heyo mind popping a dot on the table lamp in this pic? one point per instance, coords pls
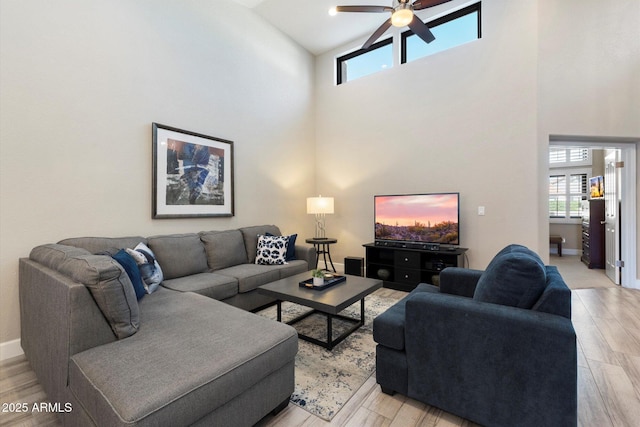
(320, 206)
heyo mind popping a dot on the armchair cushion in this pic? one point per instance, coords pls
(459, 281)
(515, 277)
(388, 327)
(556, 298)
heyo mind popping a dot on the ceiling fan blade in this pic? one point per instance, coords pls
(423, 4)
(374, 9)
(377, 33)
(421, 30)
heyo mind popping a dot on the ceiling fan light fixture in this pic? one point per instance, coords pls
(402, 16)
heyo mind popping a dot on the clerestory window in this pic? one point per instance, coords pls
(459, 27)
(364, 62)
(451, 30)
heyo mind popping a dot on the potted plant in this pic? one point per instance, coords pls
(318, 277)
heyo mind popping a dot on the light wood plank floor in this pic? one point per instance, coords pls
(607, 321)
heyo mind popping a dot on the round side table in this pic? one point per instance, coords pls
(322, 248)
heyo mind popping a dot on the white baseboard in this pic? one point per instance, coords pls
(339, 266)
(554, 251)
(10, 349)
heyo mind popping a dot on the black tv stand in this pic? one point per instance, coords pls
(402, 266)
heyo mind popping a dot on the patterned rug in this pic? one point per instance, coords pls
(326, 380)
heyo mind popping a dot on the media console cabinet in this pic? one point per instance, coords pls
(402, 268)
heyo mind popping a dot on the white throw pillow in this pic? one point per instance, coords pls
(272, 250)
(149, 268)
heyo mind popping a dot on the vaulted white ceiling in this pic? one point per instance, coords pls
(308, 21)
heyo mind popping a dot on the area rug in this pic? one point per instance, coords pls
(326, 380)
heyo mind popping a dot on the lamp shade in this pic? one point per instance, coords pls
(319, 205)
(401, 17)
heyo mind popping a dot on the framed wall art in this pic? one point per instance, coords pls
(192, 174)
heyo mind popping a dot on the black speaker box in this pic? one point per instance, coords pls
(354, 266)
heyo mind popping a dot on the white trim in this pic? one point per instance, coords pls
(628, 196)
(10, 349)
(565, 251)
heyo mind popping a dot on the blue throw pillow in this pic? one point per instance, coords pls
(515, 278)
(291, 248)
(131, 268)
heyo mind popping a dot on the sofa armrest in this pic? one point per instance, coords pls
(306, 253)
(459, 281)
(58, 318)
(489, 363)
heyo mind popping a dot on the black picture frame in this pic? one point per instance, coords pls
(192, 174)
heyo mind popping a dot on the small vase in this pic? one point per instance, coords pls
(318, 281)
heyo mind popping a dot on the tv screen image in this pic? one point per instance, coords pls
(596, 187)
(424, 218)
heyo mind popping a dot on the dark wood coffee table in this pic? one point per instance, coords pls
(330, 302)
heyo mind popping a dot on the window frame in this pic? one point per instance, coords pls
(476, 7)
(567, 173)
(342, 59)
(568, 163)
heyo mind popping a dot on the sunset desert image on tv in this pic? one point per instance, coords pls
(429, 218)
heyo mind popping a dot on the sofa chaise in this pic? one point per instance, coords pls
(190, 353)
(496, 347)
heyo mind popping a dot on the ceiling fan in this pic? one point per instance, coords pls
(401, 15)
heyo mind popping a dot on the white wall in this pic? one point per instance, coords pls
(81, 83)
(461, 120)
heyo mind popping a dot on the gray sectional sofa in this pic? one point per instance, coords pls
(190, 353)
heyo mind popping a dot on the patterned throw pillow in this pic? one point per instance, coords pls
(149, 268)
(291, 250)
(272, 250)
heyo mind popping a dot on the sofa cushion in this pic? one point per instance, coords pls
(250, 276)
(224, 248)
(179, 255)
(272, 250)
(292, 267)
(210, 285)
(131, 267)
(250, 236)
(515, 277)
(189, 368)
(103, 276)
(102, 244)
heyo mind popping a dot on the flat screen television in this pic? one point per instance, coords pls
(596, 187)
(418, 218)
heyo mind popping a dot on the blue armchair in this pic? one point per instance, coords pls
(496, 347)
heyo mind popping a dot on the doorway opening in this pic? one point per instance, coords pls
(615, 161)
